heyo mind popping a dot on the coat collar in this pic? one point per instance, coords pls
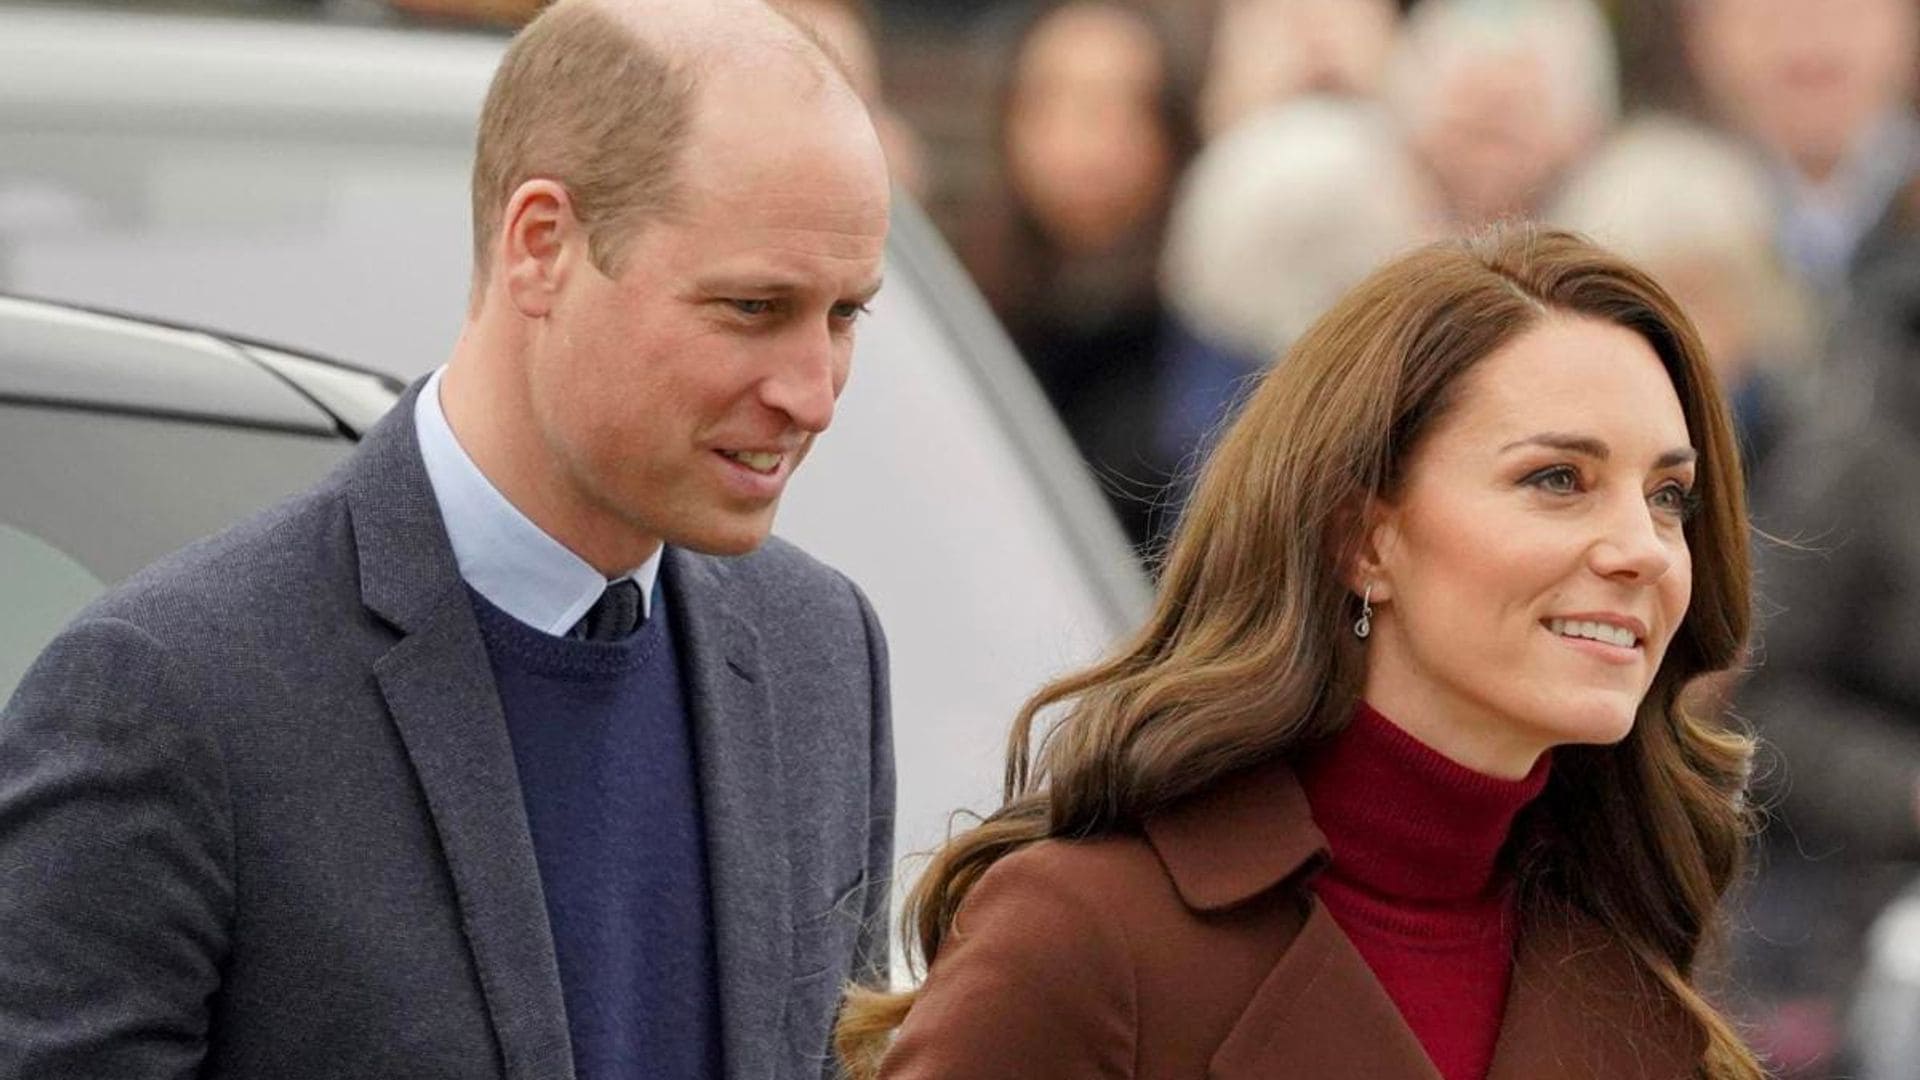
(1578, 1008)
(1238, 838)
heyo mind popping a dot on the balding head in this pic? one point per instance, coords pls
(602, 96)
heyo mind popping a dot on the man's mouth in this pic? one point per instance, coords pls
(763, 462)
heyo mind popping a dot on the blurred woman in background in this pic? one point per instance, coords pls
(1094, 126)
(1393, 783)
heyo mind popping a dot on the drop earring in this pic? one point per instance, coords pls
(1364, 625)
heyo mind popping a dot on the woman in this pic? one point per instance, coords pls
(1393, 783)
(1094, 125)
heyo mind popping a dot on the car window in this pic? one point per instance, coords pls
(89, 497)
(41, 587)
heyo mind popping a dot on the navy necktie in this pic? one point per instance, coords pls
(613, 616)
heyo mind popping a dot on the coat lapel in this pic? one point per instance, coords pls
(741, 796)
(1577, 1007)
(439, 689)
(1320, 1013)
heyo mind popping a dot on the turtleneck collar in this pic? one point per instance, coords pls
(1404, 822)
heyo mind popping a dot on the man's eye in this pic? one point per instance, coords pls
(849, 311)
(752, 307)
(1559, 479)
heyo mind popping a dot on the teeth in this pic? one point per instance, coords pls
(1580, 628)
(764, 463)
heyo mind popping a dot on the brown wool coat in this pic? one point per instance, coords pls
(1197, 950)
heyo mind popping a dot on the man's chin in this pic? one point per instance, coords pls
(725, 539)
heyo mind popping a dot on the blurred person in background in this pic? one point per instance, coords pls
(1265, 52)
(1825, 90)
(848, 28)
(1393, 783)
(1275, 220)
(1094, 126)
(1693, 208)
(1836, 689)
(1500, 98)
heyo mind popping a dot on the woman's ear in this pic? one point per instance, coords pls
(1373, 525)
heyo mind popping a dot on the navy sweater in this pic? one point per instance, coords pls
(602, 739)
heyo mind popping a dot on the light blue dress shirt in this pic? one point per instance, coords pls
(501, 553)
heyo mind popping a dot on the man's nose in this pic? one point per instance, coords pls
(808, 381)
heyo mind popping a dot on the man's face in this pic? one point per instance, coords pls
(678, 397)
(1805, 77)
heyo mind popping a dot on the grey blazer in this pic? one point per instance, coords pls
(259, 814)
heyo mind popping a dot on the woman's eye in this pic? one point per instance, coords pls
(1560, 480)
(752, 307)
(1676, 500)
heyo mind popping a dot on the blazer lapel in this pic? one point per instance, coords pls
(741, 796)
(439, 689)
(1579, 1009)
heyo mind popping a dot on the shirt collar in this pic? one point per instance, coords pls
(501, 553)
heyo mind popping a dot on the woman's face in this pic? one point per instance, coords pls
(1534, 567)
(1085, 147)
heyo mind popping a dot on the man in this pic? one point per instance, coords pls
(515, 748)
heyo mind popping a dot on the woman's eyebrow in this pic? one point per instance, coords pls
(1588, 446)
(1584, 445)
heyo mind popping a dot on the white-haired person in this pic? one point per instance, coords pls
(1693, 207)
(1500, 98)
(1273, 222)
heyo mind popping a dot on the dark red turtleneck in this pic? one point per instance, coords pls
(1415, 842)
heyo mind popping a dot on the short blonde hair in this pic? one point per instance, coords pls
(579, 98)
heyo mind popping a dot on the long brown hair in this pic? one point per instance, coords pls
(1245, 655)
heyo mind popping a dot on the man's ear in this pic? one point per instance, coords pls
(538, 234)
(1372, 523)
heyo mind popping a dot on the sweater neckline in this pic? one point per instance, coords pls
(1405, 823)
(542, 653)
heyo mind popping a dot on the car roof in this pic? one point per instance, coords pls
(67, 356)
(68, 69)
